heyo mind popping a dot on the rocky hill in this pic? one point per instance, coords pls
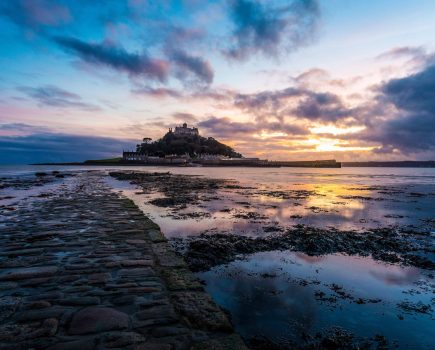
(193, 145)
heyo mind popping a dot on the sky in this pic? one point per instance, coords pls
(348, 80)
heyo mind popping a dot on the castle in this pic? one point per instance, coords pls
(184, 131)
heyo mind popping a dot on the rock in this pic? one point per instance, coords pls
(97, 319)
(78, 267)
(99, 278)
(156, 236)
(46, 296)
(40, 237)
(136, 241)
(80, 301)
(34, 282)
(137, 272)
(50, 326)
(8, 285)
(136, 263)
(230, 342)
(193, 304)
(78, 289)
(28, 272)
(165, 311)
(122, 339)
(180, 279)
(124, 300)
(39, 314)
(8, 306)
(168, 331)
(9, 332)
(20, 252)
(82, 344)
(153, 346)
(38, 305)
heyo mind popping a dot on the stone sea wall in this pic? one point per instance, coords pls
(85, 269)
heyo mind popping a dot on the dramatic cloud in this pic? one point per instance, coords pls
(53, 147)
(411, 127)
(325, 107)
(195, 65)
(294, 102)
(262, 28)
(117, 58)
(227, 128)
(54, 96)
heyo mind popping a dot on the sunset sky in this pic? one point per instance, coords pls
(302, 79)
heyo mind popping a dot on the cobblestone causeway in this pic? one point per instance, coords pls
(85, 269)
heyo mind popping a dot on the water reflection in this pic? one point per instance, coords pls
(396, 276)
(285, 296)
(259, 205)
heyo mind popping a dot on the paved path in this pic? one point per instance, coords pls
(85, 269)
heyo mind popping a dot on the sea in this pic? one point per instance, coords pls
(289, 298)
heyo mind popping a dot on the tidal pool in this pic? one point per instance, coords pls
(289, 297)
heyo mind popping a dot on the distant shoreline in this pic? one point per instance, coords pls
(302, 164)
(296, 164)
(396, 164)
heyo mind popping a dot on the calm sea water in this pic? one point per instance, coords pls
(289, 297)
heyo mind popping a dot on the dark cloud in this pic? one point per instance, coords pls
(269, 102)
(187, 64)
(262, 28)
(117, 58)
(35, 14)
(53, 147)
(408, 122)
(226, 128)
(325, 107)
(414, 93)
(54, 96)
(157, 92)
(294, 102)
(21, 128)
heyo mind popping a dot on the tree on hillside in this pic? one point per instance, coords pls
(189, 144)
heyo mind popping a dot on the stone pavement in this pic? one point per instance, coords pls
(85, 269)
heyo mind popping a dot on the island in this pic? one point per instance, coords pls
(184, 146)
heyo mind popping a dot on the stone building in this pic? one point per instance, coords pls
(184, 130)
